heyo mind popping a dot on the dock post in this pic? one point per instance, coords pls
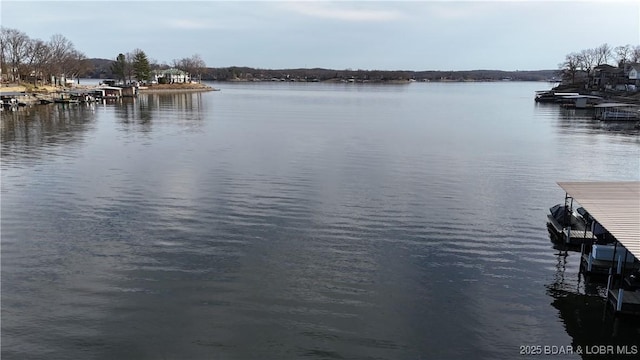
(619, 265)
(581, 258)
(567, 216)
(619, 304)
(590, 263)
(609, 278)
(613, 257)
(624, 266)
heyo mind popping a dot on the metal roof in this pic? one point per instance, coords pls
(581, 97)
(615, 205)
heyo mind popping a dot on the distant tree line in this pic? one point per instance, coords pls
(235, 73)
(587, 59)
(23, 59)
(102, 69)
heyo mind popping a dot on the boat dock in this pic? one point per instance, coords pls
(599, 259)
(616, 112)
(577, 236)
(608, 110)
(15, 98)
(624, 301)
(615, 206)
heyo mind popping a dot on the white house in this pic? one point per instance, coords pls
(171, 76)
(634, 76)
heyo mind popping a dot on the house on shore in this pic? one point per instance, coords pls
(170, 76)
(605, 77)
(633, 74)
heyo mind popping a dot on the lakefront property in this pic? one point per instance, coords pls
(170, 76)
(611, 93)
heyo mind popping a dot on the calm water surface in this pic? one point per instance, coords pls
(284, 220)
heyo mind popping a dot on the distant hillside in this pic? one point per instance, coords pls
(102, 70)
(235, 73)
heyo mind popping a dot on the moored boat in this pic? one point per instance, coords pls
(569, 227)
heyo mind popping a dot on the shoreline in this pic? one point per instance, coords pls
(610, 96)
(156, 91)
(52, 90)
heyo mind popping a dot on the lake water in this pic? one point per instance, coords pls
(289, 220)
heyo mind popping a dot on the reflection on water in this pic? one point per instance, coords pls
(572, 120)
(586, 316)
(37, 131)
(583, 309)
(27, 131)
(141, 112)
(295, 220)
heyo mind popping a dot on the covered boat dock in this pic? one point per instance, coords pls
(616, 112)
(581, 101)
(616, 206)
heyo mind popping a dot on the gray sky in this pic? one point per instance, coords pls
(382, 35)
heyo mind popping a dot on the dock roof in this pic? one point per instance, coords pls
(615, 205)
(581, 97)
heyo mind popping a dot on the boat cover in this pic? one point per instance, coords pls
(558, 212)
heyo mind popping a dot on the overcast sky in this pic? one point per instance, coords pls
(383, 35)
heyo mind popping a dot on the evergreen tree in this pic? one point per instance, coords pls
(119, 67)
(141, 66)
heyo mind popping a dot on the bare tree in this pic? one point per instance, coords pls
(76, 64)
(154, 64)
(61, 48)
(602, 54)
(15, 46)
(197, 66)
(183, 64)
(623, 54)
(586, 59)
(194, 65)
(570, 66)
(635, 54)
(129, 70)
(39, 56)
(4, 50)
